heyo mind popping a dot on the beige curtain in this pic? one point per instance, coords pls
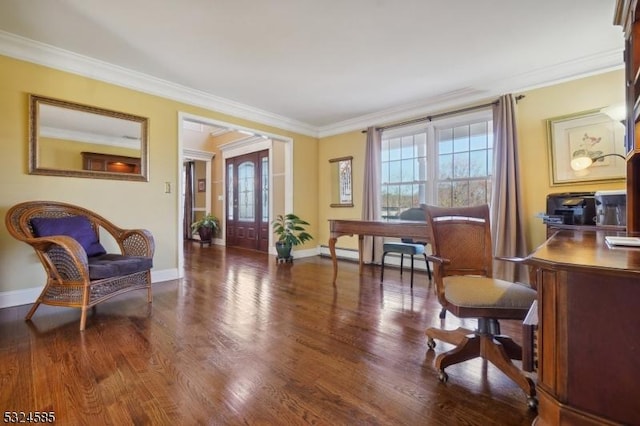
(506, 198)
(371, 206)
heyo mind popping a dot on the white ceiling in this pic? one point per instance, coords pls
(327, 64)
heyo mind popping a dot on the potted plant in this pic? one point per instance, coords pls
(205, 227)
(291, 231)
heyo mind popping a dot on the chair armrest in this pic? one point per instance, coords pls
(436, 259)
(137, 242)
(511, 259)
(62, 257)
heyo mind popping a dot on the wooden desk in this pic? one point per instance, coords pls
(588, 345)
(396, 228)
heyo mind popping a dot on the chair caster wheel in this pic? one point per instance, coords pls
(532, 403)
(443, 377)
(431, 343)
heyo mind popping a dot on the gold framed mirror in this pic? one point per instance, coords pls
(70, 139)
(341, 182)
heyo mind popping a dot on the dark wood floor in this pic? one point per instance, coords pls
(243, 340)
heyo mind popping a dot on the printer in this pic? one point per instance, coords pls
(571, 208)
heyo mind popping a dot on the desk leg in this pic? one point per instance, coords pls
(332, 250)
(360, 244)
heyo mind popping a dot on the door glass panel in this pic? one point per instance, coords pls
(265, 189)
(246, 191)
(230, 191)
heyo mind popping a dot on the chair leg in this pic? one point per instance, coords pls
(411, 271)
(443, 313)
(401, 262)
(428, 267)
(493, 351)
(382, 268)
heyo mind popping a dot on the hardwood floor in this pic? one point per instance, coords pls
(243, 340)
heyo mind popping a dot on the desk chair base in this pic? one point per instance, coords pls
(498, 349)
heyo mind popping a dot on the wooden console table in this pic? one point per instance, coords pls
(588, 346)
(396, 228)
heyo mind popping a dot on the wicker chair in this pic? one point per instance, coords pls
(75, 279)
(463, 258)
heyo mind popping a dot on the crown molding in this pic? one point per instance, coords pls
(560, 73)
(28, 50)
(25, 49)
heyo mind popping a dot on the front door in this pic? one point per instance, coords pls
(248, 201)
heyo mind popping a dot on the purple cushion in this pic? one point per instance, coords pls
(76, 227)
(117, 265)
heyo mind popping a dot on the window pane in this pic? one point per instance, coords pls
(385, 150)
(420, 169)
(420, 141)
(230, 191)
(407, 170)
(478, 135)
(445, 167)
(460, 194)
(394, 149)
(445, 141)
(246, 192)
(395, 172)
(477, 192)
(444, 194)
(265, 189)
(385, 172)
(461, 139)
(407, 147)
(461, 165)
(478, 163)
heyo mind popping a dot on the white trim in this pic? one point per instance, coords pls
(258, 141)
(43, 54)
(29, 295)
(29, 50)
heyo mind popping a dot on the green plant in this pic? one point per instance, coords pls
(290, 230)
(206, 221)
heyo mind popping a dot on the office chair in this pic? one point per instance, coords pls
(463, 261)
(407, 245)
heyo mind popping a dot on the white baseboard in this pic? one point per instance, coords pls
(29, 295)
(391, 259)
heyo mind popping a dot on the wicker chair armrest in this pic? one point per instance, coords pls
(437, 259)
(136, 242)
(62, 256)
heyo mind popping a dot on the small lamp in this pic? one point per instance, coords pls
(581, 160)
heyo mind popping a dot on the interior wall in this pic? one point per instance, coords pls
(585, 94)
(128, 204)
(532, 112)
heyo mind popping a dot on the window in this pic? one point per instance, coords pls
(445, 163)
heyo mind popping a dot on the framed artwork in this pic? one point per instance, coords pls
(202, 185)
(589, 133)
(341, 181)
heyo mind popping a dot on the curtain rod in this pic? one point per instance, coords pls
(442, 114)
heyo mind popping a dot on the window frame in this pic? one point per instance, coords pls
(430, 128)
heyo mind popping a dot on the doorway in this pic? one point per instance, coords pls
(247, 180)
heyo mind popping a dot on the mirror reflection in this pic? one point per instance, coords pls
(341, 193)
(69, 139)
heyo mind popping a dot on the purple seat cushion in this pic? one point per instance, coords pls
(117, 265)
(76, 227)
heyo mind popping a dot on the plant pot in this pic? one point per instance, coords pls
(283, 250)
(205, 234)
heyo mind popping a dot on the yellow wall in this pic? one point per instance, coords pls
(128, 204)
(344, 145)
(532, 112)
(136, 204)
(539, 105)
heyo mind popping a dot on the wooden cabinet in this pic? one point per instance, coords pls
(588, 346)
(110, 163)
(628, 16)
